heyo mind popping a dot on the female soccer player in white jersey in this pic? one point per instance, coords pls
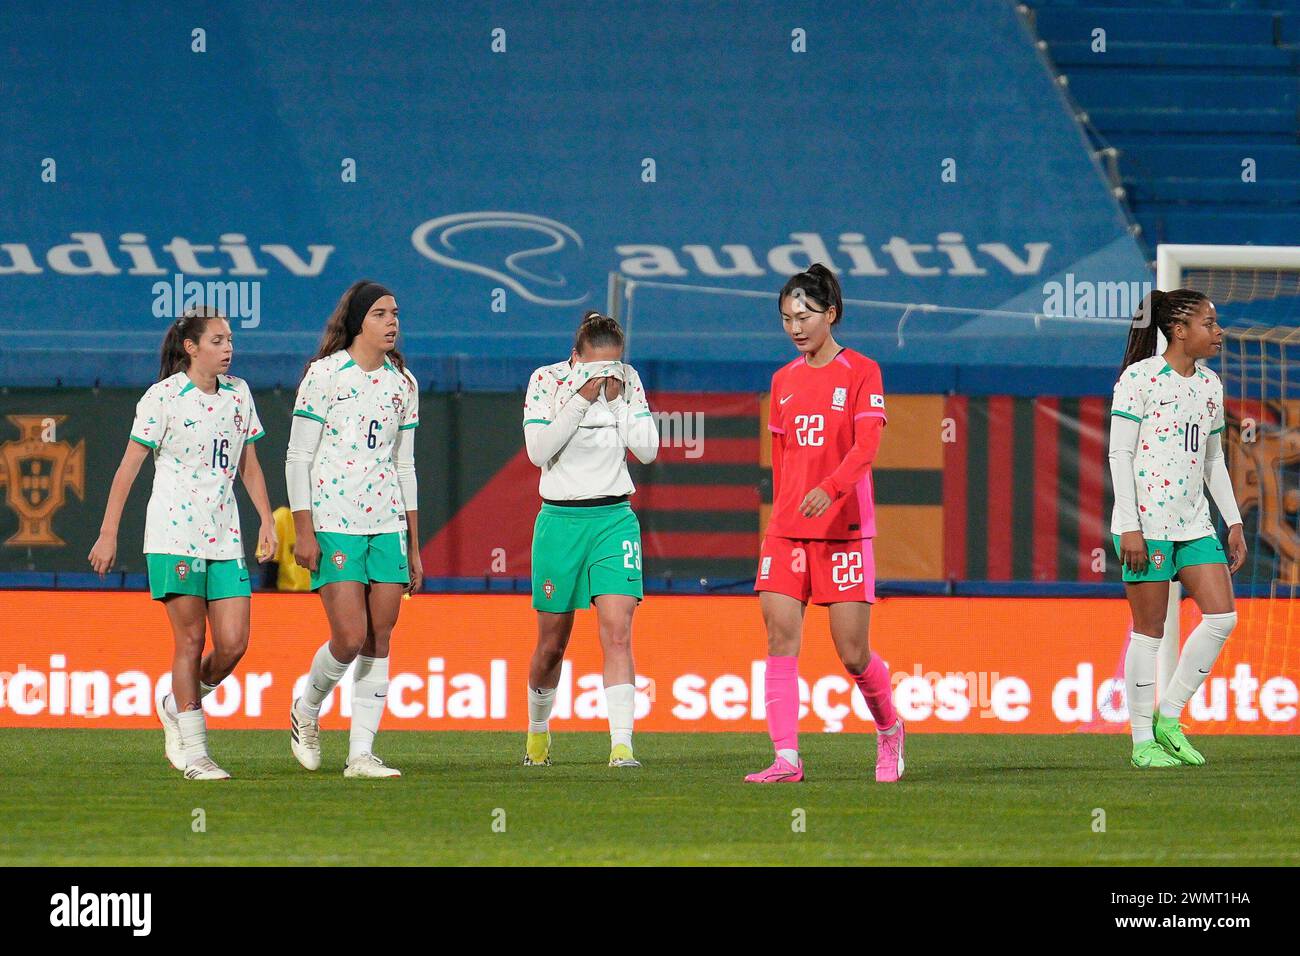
(199, 424)
(1166, 447)
(826, 417)
(581, 417)
(350, 471)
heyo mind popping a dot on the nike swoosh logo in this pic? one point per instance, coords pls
(1168, 402)
(786, 399)
(321, 689)
(847, 587)
(1201, 671)
(1147, 684)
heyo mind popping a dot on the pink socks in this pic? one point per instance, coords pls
(875, 687)
(781, 691)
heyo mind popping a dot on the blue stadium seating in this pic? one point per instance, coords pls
(1185, 91)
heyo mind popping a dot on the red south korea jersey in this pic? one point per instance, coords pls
(822, 422)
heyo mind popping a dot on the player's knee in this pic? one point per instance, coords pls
(616, 638)
(1220, 625)
(856, 663)
(190, 642)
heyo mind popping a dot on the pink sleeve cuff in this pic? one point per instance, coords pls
(775, 430)
(871, 414)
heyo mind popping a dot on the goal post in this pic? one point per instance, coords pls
(1257, 292)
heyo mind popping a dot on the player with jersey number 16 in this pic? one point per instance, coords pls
(826, 416)
(200, 427)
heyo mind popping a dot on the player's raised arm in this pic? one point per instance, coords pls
(636, 424)
(548, 428)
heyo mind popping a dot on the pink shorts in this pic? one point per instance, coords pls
(823, 572)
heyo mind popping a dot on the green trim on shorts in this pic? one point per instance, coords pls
(580, 553)
(1166, 558)
(211, 580)
(365, 558)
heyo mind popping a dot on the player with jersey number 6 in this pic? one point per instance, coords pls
(199, 424)
(350, 471)
(581, 418)
(826, 416)
(1166, 449)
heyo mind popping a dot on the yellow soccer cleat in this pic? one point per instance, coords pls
(537, 750)
(621, 756)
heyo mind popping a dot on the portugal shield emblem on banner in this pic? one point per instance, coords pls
(36, 473)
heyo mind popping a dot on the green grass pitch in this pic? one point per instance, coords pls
(97, 797)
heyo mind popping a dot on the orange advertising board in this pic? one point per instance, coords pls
(969, 665)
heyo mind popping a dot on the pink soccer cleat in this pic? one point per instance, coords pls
(781, 771)
(889, 755)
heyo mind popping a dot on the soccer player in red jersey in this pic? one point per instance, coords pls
(826, 415)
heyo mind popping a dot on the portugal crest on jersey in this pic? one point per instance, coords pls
(548, 588)
(397, 405)
(1211, 406)
(239, 422)
(182, 569)
(1157, 559)
(339, 559)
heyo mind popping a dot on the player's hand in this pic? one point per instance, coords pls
(1133, 551)
(417, 571)
(613, 388)
(103, 554)
(266, 542)
(592, 388)
(815, 503)
(1236, 548)
(306, 551)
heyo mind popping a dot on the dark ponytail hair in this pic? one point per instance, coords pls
(1159, 310)
(598, 331)
(817, 285)
(344, 324)
(188, 328)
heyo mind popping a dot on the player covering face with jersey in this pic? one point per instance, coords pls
(581, 418)
(200, 426)
(352, 488)
(1166, 447)
(826, 415)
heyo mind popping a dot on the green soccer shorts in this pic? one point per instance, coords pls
(1166, 558)
(212, 580)
(380, 558)
(579, 553)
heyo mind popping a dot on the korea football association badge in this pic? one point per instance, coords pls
(838, 399)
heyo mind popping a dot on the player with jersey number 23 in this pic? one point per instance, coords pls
(826, 416)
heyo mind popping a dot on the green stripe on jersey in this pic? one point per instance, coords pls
(402, 428)
(316, 418)
(537, 421)
(1132, 418)
(147, 444)
(258, 436)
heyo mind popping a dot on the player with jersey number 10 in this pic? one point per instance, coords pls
(199, 425)
(581, 418)
(1166, 448)
(350, 472)
(826, 415)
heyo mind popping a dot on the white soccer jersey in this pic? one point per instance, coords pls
(1176, 416)
(197, 440)
(354, 487)
(593, 462)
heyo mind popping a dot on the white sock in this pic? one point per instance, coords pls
(1140, 683)
(194, 735)
(1198, 657)
(791, 756)
(325, 673)
(369, 698)
(540, 702)
(169, 702)
(621, 702)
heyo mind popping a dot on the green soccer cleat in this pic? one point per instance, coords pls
(537, 750)
(621, 756)
(1169, 735)
(1151, 754)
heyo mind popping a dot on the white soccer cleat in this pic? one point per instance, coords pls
(205, 768)
(304, 738)
(368, 766)
(171, 734)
